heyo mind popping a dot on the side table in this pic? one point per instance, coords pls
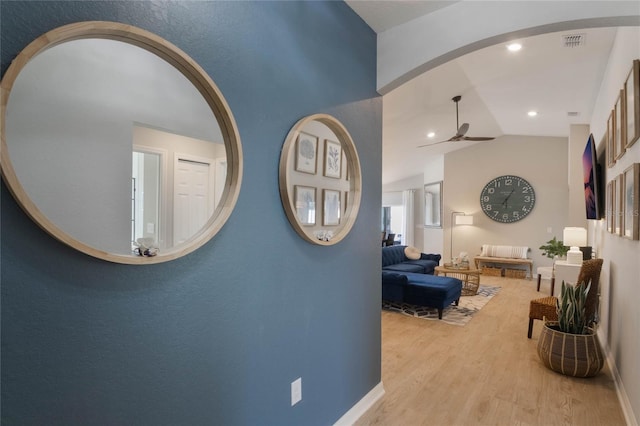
(470, 278)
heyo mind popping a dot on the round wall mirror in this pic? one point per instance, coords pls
(117, 143)
(320, 179)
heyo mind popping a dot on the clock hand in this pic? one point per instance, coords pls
(504, 203)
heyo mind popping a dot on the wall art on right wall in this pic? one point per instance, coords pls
(630, 195)
(632, 104)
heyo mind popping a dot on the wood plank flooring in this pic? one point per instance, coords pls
(485, 373)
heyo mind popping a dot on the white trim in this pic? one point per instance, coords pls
(623, 398)
(362, 406)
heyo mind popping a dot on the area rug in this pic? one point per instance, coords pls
(454, 315)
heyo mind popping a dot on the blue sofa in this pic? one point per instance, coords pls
(412, 281)
(421, 289)
(394, 260)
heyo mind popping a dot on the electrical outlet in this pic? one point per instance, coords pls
(296, 391)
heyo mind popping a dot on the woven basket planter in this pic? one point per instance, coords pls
(577, 355)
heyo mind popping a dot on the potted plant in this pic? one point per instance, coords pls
(554, 249)
(570, 345)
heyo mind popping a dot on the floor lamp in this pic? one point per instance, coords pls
(459, 218)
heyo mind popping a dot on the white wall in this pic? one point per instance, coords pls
(405, 51)
(542, 161)
(620, 278)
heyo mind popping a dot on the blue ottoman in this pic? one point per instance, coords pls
(421, 289)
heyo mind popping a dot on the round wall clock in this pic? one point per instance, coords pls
(507, 199)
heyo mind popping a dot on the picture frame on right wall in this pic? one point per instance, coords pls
(611, 139)
(630, 201)
(610, 214)
(632, 104)
(617, 205)
(620, 125)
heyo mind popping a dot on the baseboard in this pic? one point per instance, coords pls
(361, 407)
(625, 404)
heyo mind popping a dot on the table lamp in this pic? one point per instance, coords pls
(574, 238)
(459, 218)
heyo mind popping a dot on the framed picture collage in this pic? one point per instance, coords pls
(623, 131)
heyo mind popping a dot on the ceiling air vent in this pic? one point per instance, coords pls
(573, 114)
(573, 40)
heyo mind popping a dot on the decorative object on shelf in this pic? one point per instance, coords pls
(507, 199)
(88, 204)
(574, 238)
(631, 202)
(306, 153)
(458, 219)
(570, 346)
(632, 104)
(145, 247)
(314, 200)
(332, 159)
(323, 235)
(554, 249)
(433, 205)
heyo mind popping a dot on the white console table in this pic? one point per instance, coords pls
(565, 272)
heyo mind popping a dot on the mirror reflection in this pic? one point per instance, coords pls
(320, 181)
(115, 146)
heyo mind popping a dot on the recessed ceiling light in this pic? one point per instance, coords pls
(532, 113)
(514, 47)
(431, 135)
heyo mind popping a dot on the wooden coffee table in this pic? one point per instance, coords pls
(470, 278)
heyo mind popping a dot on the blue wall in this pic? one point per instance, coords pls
(215, 337)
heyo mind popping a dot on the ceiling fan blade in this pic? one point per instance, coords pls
(432, 144)
(477, 138)
(463, 129)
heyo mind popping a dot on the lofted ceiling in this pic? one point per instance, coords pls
(498, 89)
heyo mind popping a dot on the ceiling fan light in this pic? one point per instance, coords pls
(431, 135)
(514, 47)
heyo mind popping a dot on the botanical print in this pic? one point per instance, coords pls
(306, 149)
(305, 198)
(331, 214)
(332, 159)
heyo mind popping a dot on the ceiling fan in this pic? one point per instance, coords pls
(462, 130)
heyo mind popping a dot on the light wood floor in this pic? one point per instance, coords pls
(485, 373)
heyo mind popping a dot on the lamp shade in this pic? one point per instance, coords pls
(574, 237)
(464, 220)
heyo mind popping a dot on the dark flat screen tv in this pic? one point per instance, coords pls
(591, 177)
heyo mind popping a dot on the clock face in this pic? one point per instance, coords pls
(507, 199)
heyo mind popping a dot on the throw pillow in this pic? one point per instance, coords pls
(412, 253)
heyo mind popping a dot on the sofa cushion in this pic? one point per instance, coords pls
(392, 255)
(509, 252)
(405, 267)
(412, 253)
(433, 291)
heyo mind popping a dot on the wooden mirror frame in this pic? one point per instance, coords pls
(287, 180)
(183, 63)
